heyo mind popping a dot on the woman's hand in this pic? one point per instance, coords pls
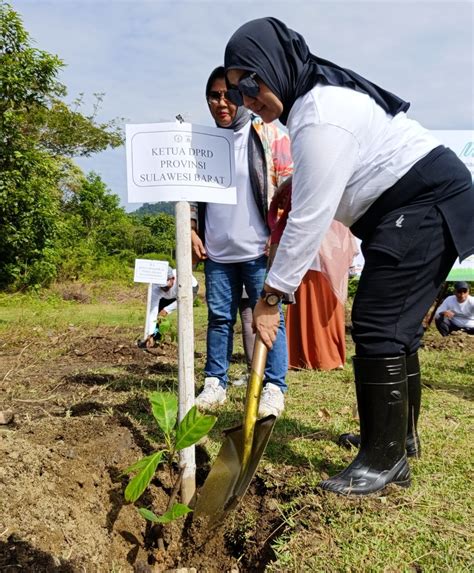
(281, 194)
(198, 250)
(266, 249)
(266, 320)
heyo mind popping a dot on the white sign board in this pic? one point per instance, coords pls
(462, 143)
(180, 162)
(149, 271)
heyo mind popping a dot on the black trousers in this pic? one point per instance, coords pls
(446, 326)
(164, 302)
(410, 243)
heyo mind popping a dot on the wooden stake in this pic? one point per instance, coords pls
(187, 459)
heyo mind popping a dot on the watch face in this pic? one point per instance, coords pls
(272, 299)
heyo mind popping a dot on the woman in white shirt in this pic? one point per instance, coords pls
(360, 160)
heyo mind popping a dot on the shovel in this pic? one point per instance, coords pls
(244, 445)
(240, 453)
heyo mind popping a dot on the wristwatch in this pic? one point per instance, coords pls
(271, 298)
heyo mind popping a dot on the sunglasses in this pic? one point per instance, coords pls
(247, 86)
(215, 97)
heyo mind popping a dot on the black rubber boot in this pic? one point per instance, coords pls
(414, 400)
(381, 386)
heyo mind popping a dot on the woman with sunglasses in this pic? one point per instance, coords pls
(232, 240)
(360, 160)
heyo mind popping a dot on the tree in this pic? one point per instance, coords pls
(155, 208)
(38, 132)
(163, 229)
(94, 225)
(28, 176)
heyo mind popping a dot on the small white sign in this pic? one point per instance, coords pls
(148, 271)
(180, 162)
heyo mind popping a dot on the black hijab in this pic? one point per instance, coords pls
(242, 115)
(281, 58)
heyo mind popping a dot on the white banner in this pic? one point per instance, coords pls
(180, 162)
(462, 143)
(462, 271)
(149, 271)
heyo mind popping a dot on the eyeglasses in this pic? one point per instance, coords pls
(215, 97)
(247, 86)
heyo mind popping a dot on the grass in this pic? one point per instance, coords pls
(427, 527)
(52, 311)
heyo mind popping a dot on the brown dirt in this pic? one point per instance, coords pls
(457, 340)
(77, 400)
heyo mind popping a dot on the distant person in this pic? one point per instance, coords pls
(456, 312)
(232, 241)
(248, 336)
(163, 302)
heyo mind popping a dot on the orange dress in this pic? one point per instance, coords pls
(315, 323)
(315, 326)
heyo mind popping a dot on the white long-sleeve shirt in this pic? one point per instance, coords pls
(347, 151)
(463, 311)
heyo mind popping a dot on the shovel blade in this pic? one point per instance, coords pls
(228, 480)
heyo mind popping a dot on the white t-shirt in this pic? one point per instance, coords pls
(236, 233)
(347, 151)
(463, 311)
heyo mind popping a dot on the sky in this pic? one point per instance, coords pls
(151, 58)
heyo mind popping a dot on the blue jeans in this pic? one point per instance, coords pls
(224, 282)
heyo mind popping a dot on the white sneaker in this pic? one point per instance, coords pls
(242, 381)
(212, 396)
(272, 401)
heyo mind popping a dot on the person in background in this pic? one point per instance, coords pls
(315, 324)
(360, 160)
(232, 240)
(248, 336)
(456, 312)
(163, 302)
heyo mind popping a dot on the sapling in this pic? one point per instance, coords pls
(191, 429)
(166, 329)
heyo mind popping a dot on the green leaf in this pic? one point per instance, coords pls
(141, 481)
(137, 466)
(193, 427)
(147, 514)
(164, 406)
(165, 325)
(178, 510)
